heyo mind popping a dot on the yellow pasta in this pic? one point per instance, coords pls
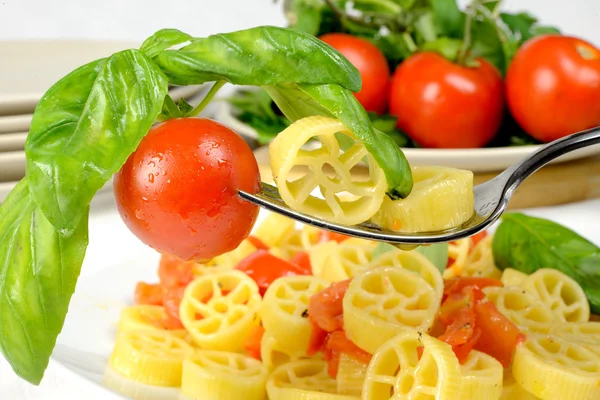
(219, 375)
(220, 310)
(524, 310)
(560, 293)
(319, 257)
(273, 353)
(146, 317)
(151, 357)
(586, 334)
(289, 245)
(274, 229)
(459, 252)
(396, 371)
(513, 277)
(350, 375)
(345, 199)
(511, 390)
(226, 261)
(346, 260)
(482, 377)
(303, 380)
(480, 261)
(284, 310)
(381, 302)
(551, 367)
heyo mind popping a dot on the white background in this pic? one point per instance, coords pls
(137, 19)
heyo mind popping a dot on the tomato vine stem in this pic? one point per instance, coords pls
(207, 99)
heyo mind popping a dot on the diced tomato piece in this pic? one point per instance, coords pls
(478, 237)
(263, 267)
(173, 272)
(325, 308)
(256, 242)
(327, 236)
(457, 285)
(462, 351)
(450, 262)
(252, 344)
(460, 331)
(317, 339)
(499, 336)
(337, 343)
(149, 293)
(302, 260)
(172, 300)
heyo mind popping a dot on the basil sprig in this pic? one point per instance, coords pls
(88, 124)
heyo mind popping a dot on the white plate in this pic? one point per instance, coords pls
(12, 166)
(107, 282)
(477, 160)
(12, 141)
(15, 123)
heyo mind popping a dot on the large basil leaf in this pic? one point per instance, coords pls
(84, 129)
(39, 267)
(299, 101)
(259, 56)
(527, 244)
(162, 40)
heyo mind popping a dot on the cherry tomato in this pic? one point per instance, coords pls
(252, 343)
(440, 104)
(553, 86)
(148, 293)
(173, 272)
(371, 64)
(178, 191)
(263, 267)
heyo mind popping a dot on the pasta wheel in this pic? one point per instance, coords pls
(551, 367)
(136, 390)
(303, 380)
(283, 310)
(511, 390)
(397, 372)
(151, 357)
(220, 310)
(480, 261)
(513, 277)
(219, 375)
(380, 302)
(289, 246)
(273, 353)
(459, 252)
(274, 229)
(146, 317)
(586, 334)
(346, 260)
(524, 310)
(350, 375)
(364, 197)
(415, 262)
(562, 294)
(481, 377)
(319, 257)
(226, 261)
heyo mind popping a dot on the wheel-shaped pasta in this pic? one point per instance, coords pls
(226, 261)
(415, 262)
(512, 390)
(136, 390)
(458, 251)
(398, 371)
(561, 293)
(551, 367)
(482, 377)
(283, 311)
(319, 257)
(303, 380)
(289, 245)
(513, 277)
(585, 333)
(480, 261)
(524, 310)
(274, 229)
(220, 375)
(273, 353)
(350, 375)
(346, 260)
(346, 199)
(220, 310)
(381, 302)
(151, 357)
(146, 317)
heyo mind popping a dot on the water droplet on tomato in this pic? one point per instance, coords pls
(151, 178)
(139, 214)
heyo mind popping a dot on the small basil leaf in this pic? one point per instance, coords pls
(436, 253)
(487, 44)
(527, 244)
(299, 101)
(448, 18)
(259, 56)
(163, 40)
(520, 24)
(39, 267)
(84, 129)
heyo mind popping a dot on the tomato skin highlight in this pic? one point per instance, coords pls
(178, 191)
(264, 268)
(553, 86)
(440, 104)
(370, 63)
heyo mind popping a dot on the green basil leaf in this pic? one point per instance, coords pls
(538, 30)
(381, 7)
(84, 129)
(449, 19)
(487, 44)
(527, 244)
(163, 40)
(39, 267)
(304, 15)
(436, 253)
(299, 101)
(387, 125)
(520, 24)
(259, 56)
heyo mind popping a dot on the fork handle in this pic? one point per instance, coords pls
(520, 171)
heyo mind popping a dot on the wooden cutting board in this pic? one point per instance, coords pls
(552, 185)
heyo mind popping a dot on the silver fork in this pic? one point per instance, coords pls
(491, 198)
